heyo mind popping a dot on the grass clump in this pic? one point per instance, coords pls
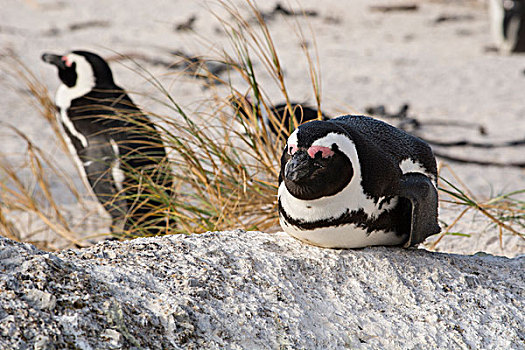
(226, 167)
(33, 195)
(504, 212)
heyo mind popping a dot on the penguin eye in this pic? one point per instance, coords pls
(326, 152)
(292, 149)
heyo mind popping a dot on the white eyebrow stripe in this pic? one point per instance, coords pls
(292, 139)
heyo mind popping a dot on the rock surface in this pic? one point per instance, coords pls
(255, 290)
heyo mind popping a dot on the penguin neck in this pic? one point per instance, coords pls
(84, 83)
(65, 94)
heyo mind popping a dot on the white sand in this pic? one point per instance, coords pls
(367, 58)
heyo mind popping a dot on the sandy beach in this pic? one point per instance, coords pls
(438, 58)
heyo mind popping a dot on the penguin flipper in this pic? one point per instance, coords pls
(98, 161)
(422, 194)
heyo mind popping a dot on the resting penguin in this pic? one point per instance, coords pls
(113, 143)
(282, 116)
(355, 181)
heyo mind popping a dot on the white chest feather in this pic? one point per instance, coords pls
(352, 198)
(70, 127)
(346, 236)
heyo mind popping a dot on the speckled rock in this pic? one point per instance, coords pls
(252, 290)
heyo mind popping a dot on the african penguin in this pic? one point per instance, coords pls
(507, 20)
(115, 145)
(281, 125)
(355, 181)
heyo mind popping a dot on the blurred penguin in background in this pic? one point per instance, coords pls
(279, 123)
(116, 147)
(507, 21)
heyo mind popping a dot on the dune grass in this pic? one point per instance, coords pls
(504, 213)
(225, 167)
(33, 195)
(222, 169)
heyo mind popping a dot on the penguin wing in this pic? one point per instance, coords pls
(103, 171)
(138, 139)
(422, 194)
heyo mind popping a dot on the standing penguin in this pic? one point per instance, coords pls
(355, 181)
(115, 145)
(507, 21)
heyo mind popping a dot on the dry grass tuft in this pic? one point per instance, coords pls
(19, 194)
(504, 212)
(226, 167)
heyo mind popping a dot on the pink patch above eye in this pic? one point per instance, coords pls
(325, 151)
(292, 149)
(67, 61)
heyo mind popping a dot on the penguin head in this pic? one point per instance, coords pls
(81, 69)
(316, 161)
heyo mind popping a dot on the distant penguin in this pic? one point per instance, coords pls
(355, 181)
(280, 126)
(115, 145)
(507, 21)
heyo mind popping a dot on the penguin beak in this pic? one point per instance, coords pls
(298, 167)
(54, 60)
